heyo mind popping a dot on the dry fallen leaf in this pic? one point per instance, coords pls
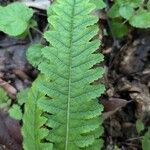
(112, 106)
(114, 103)
(39, 4)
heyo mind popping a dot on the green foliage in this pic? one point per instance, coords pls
(34, 54)
(4, 100)
(15, 112)
(14, 18)
(141, 19)
(146, 140)
(98, 3)
(67, 66)
(134, 11)
(114, 11)
(139, 126)
(118, 28)
(61, 109)
(22, 97)
(148, 5)
(33, 121)
(124, 8)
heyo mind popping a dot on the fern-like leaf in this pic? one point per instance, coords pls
(33, 121)
(74, 112)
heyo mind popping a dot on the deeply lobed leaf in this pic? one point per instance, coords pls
(73, 111)
(33, 121)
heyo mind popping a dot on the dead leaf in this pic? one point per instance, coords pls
(112, 106)
(114, 103)
(39, 4)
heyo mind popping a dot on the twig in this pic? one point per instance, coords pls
(45, 29)
(30, 36)
(136, 138)
(37, 30)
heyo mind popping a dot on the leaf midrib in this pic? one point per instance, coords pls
(69, 78)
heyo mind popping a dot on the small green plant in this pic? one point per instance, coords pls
(15, 18)
(146, 138)
(4, 100)
(135, 12)
(15, 111)
(34, 54)
(139, 126)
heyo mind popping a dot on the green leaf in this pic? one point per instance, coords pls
(133, 3)
(98, 3)
(34, 54)
(146, 140)
(125, 8)
(71, 106)
(50, 9)
(4, 100)
(141, 19)
(126, 11)
(22, 96)
(3, 96)
(139, 126)
(14, 18)
(15, 112)
(148, 5)
(33, 122)
(114, 11)
(119, 29)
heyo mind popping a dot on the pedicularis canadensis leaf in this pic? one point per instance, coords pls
(14, 18)
(71, 104)
(33, 121)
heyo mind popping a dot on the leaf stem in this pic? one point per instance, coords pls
(69, 82)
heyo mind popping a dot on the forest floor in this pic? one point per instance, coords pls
(127, 81)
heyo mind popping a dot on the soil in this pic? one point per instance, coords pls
(127, 81)
(127, 78)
